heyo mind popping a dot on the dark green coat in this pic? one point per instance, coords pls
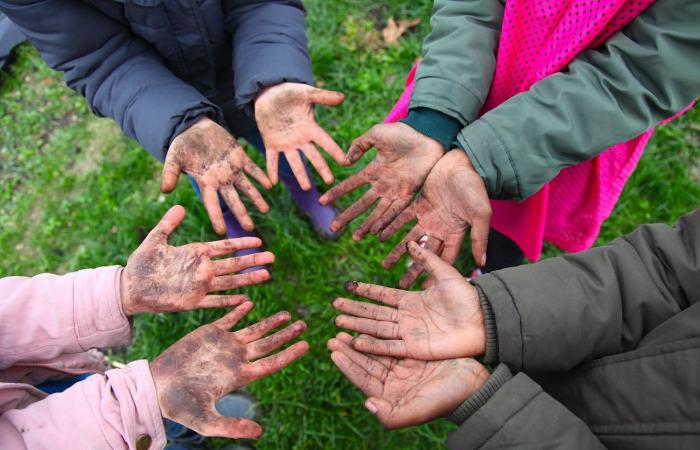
(642, 75)
(605, 344)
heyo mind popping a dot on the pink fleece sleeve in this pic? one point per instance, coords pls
(49, 315)
(110, 411)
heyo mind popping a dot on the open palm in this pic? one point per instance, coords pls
(406, 392)
(441, 322)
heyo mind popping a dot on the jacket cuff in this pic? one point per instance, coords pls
(445, 96)
(482, 395)
(492, 159)
(97, 309)
(491, 354)
(506, 319)
(434, 124)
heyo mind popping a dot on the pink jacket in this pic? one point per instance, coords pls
(47, 325)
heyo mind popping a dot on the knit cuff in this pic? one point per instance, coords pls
(434, 124)
(482, 395)
(491, 354)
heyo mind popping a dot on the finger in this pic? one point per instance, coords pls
(211, 203)
(267, 345)
(393, 257)
(230, 319)
(396, 208)
(253, 194)
(367, 310)
(356, 374)
(480, 239)
(168, 223)
(256, 172)
(327, 143)
(450, 250)
(354, 210)
(377, 328)
(272, 157)
(359, 146)
(375, 292)
(237, 208)
(384, 347)
(347, 339)
(298, 169)
(415, 269)
(402, 219)
(216, 425)
(278, 361)
(375, 215)
(324, 97)
(226, 282)
(228, 246)
(260, 329)
(342, 188)
(370, 365)
(221, 301)
(429, 261)
(318, 162)
(236, 264)
(171, 173)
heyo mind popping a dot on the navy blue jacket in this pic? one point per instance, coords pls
(155, 66)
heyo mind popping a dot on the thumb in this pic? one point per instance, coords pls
(324, 97)
(431, 263)
(359, 146)
(230, 427)
(171, 173)
(168, 223)
(383, 410)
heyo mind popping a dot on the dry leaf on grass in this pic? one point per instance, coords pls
(393, 31)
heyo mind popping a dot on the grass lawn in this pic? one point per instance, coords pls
(75, 193)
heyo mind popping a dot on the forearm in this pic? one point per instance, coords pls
(556, 314)
(116, 410)
(269, 46)
(52, 315)
(517, 413)
(639, 77)
(119, 74)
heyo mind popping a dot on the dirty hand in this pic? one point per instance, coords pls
(404, 159)
(161, 278)
(216, 161)
(453, 198)
(442, 322)
(285, 117)
(406, 392)
(210, 362)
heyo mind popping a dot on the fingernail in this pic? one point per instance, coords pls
(351, 286)
(372, 408)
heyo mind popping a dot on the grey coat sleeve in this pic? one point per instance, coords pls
(642, 75)
(556, 314)
(269, 46)
(118, 73)
(521, 415)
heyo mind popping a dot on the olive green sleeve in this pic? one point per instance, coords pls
(459, 58)
(642, 75)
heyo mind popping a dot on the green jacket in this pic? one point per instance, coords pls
(642, 75)
(605, 343)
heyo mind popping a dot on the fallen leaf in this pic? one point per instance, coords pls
(393, 30)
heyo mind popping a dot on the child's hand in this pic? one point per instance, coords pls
(210, 362)
(404, 159)
(442, 322)
(161, 278)
(285, 116)
(218, 164)
(454, 197)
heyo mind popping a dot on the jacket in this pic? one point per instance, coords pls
(605, 345)
(156, 66)
(48, 323)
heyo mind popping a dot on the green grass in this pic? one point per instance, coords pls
(74, 193)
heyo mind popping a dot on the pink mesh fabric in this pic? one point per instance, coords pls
(539, 38)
